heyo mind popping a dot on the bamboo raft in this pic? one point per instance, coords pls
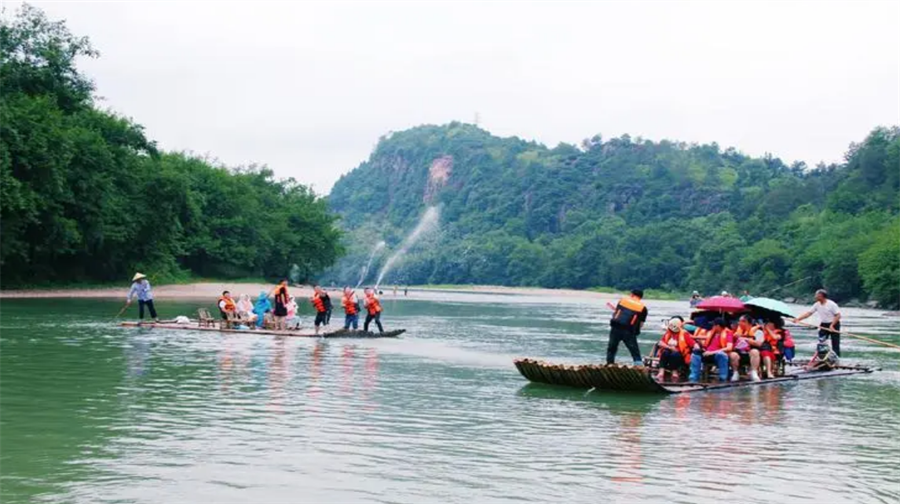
(293, 334)
(639, 379)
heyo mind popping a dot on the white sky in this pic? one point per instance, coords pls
(307, 88)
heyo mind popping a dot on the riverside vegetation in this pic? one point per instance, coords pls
(627, 212)
(85, 196)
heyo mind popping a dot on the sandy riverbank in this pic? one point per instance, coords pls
(207, 290)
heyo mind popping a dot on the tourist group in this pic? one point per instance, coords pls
(276, 310)
(725, 335)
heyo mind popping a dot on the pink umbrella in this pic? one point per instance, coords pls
(722, 303)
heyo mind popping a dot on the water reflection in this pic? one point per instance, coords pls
(97, 414)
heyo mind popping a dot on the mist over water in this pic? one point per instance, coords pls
(365, 271)
(428, 222)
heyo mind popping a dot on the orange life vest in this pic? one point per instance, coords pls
(772, 340)
(318, 302)
(229, 304)
(349, 305)
(372, 305)
(628, 312)
(683, 347)
(281, 294)
(749, 333)
(723, 338)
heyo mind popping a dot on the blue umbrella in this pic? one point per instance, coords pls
(770, 304)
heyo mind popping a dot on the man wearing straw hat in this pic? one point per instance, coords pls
(140, 289)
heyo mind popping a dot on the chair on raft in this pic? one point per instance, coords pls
(204, 319)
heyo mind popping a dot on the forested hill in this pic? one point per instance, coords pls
(625, 212)
(86, 197)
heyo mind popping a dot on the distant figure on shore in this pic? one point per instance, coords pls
(405, 291)
(695, 299)
(281, 295)
(143, 292)
(351, 309)
(395, 290)
(829, 314)
(625, 325)
(373, 309)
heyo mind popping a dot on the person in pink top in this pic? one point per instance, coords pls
(718, 346)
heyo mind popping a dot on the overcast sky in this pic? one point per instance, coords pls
(307, 88)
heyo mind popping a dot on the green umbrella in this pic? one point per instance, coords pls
(770, 304)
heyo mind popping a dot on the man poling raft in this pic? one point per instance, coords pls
(143, 292)
(628, 317)
(829, 320)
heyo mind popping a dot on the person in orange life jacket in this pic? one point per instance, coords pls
(787, 340)
(745, 351)
(351, 309)
(282, 297)
(321, 301)
(373, 310)
(829, 319)
(719, 344)
(625, 325)
(770, 348)
(674, 349)
(227, 305)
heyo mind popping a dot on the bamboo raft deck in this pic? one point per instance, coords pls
(639, 379)
(193, 326)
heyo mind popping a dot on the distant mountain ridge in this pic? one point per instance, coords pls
(623, 212)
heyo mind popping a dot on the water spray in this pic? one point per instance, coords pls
(365, 271)
(428, 222)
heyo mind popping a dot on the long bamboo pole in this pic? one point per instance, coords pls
(845, 333)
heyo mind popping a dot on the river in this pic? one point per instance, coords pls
(91, 412)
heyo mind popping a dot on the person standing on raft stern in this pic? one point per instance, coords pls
(141, 289)
(625, 325)
(373, 309)
(351, 309)
(322, 303)
(829, 319)
(281, 301)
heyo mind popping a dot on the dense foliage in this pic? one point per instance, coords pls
(86, 197)
(628, 213)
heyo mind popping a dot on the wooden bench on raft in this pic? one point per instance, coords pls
(204, 319)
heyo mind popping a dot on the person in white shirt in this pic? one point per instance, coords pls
(829, 319)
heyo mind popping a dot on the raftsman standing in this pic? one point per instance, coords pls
(143, 292)
(628, 317)
(829, 319)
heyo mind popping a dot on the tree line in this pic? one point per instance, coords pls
(85, 196)
(629, 212)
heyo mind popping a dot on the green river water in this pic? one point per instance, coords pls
(91, 412)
